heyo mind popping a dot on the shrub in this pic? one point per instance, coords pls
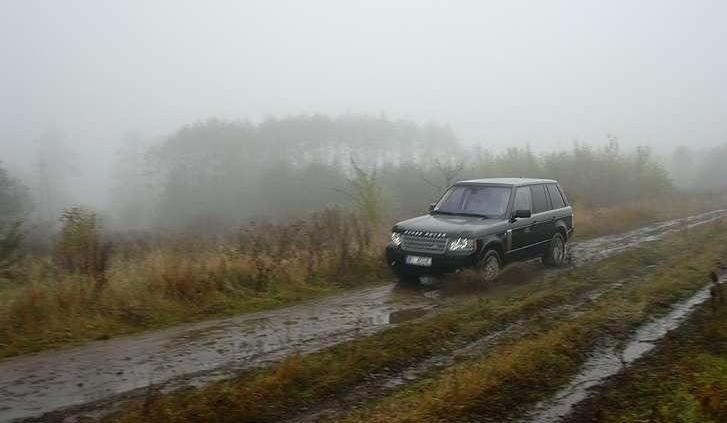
(80, 248)
(11, 238)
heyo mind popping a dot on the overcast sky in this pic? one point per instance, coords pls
(500, 73)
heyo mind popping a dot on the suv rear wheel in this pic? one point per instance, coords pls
(555, 254)
(489, 266)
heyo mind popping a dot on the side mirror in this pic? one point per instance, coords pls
(522, 214)
(431, 207)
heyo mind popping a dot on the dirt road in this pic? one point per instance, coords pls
(98, 373)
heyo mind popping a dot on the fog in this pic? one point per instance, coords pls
(498, 74)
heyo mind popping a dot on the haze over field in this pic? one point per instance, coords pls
(253, 210)
(545, 73)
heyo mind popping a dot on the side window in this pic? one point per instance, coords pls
(522, 199)
(562, 193)
(555, 196)
(540, 199)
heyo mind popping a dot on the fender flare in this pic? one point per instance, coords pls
(491, 242)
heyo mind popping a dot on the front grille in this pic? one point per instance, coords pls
(424, 242)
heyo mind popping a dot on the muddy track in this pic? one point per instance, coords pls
(380, 385)
(98, 374)
(612, 357)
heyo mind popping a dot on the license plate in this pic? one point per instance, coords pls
(419, 261)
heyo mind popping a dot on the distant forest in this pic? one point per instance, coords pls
(217, 174)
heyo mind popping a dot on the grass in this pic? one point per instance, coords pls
(497, 385)
(154, 283)
(597, 221)
(685, 381)
(96, 290)
(267, 394)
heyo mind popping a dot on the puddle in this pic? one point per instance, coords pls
(194, 354)
(610, 359)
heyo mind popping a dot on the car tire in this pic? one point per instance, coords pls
(555, 254)
(489, 266)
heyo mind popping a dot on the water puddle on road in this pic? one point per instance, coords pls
(610, 359)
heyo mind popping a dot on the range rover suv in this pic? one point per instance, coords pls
(484, 224)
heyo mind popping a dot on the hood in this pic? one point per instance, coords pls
(452, 225)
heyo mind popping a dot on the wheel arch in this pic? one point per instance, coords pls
(562, 229)
(491, 243)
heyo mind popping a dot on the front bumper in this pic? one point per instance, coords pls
(441, 263)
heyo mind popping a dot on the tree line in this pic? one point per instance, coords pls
(216, 174)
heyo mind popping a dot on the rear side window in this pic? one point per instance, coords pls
(522, 199)
(540, 199)
(555, 196)
(562, 193)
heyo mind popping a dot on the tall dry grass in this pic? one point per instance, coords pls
(155, 282)
(87, 289)
(596, 221)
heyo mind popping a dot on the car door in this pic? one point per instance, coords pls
(521, 231)
(543, 219)
(561, 214)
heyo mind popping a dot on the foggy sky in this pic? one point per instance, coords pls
(541, 72)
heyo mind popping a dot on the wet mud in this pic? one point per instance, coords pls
(611, 358)
(191, 355)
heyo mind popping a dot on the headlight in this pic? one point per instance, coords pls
(462, 244)
(396, 239)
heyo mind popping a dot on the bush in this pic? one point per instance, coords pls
(11, 238)
(80, 248)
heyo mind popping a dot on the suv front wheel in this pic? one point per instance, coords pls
(555, 254)
(489, 266)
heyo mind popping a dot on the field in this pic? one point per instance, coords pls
(363, 350)
(559, 320)
(84, 291)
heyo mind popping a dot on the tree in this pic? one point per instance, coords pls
(133, 195)
(366, 194)
(14, 198)
(14, 204)
(54, 167)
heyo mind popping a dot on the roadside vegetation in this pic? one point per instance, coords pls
(228, 217)
(89, 288)
(652, 278)
(684, 381)
(92, 283)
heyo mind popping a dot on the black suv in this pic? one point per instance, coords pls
(484, 223)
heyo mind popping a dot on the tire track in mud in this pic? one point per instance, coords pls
(380, 385)
(611, 358)
(98, 374)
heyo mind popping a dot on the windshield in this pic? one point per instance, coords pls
(486, 201)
